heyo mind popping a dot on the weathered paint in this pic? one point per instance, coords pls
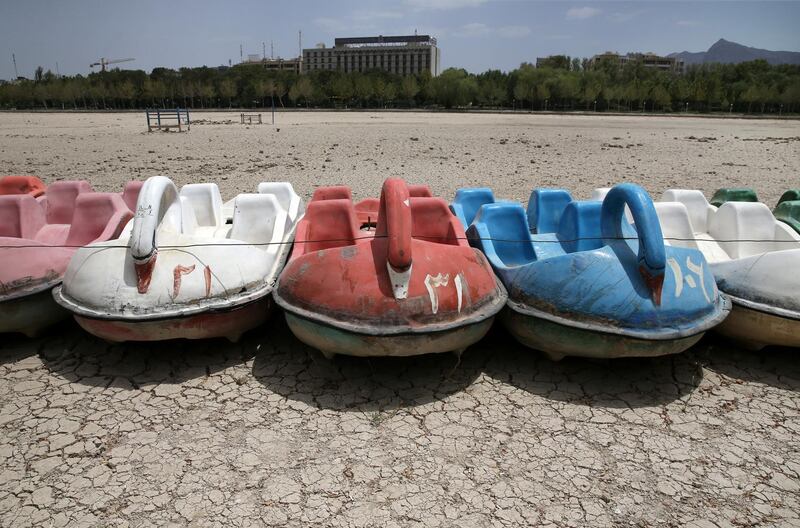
(22, 185)
(557, 340)
(597, 274)
(749, 253)
(399, 283)
(331, 340)
(148, 285)
(756, 329)
(229, 324)
(30, 314)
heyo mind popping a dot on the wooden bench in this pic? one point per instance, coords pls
(169, 118)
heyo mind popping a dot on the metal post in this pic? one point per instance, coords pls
(273, 108)
(158, 115)
(147, 113)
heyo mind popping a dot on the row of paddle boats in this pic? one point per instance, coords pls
(403, 274)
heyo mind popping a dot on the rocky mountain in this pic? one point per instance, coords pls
(725, 51)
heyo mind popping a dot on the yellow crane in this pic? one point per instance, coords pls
(103, 62)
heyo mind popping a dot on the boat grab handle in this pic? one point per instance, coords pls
(394, 222)
(651, 256)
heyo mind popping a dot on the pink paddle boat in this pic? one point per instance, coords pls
(37, 240)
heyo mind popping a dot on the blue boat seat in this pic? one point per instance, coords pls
(580, 227)
(467, 202)
(545, 207)
(506, 233)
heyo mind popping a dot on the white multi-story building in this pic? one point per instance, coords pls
(402, 55)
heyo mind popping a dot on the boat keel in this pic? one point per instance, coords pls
(754, 329)
(31, 315)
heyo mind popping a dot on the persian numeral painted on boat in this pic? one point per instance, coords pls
(176, 278)
(432, 282)
(680, 276)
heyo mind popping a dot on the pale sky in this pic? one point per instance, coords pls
(473, 34)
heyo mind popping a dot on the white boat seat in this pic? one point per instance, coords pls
(696, 205)
(258, 219)
(287, 198)
(206, 201)
(740, 222)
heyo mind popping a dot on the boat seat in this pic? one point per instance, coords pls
(130, 194)
(432, 221)
(696, 204)
(21, 216)
(545, 207)
(508, 231)
(419, 191)
(367, 211)
(741, 223)
(676, 226)
(98, 217)
(22, 185)
(467, 202)
(206, 202)
(258, 219)
(334, 192)
(60, 199)
(328, 224)
(284, 193)
(580, 228)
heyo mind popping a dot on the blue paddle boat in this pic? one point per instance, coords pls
(588, 283)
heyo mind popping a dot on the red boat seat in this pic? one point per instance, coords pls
(130, 194)
(431, 220)
(22, 185)
(419, 191)
(21, 216)
(98, 217)
(335, 192)
(60, 200)
(328, 224)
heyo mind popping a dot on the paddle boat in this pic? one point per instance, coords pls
(22, 185)
(733, 194)
(788, 209)
(753, 256)
(590, 284)
(410, 285)
(182, 270)
(37, 240)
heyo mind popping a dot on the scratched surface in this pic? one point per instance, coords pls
(267, 432)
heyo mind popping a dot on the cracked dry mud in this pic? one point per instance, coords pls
(267, 432)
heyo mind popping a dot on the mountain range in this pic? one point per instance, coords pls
(727, 52)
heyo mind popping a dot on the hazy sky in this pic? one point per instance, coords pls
(474, 34)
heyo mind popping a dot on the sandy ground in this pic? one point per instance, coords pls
(268, 432)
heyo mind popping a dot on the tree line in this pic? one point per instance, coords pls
(564, 84)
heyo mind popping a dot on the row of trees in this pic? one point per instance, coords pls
(564, 85)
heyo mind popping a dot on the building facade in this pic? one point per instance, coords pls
(648, 60)
(292, 65)
(401, 55)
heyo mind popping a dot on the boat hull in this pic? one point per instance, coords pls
(230, 324)
(30, 314)
(755, 329)
(557, 340)
(331, 340)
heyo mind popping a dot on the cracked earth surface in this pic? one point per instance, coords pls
(267, 432)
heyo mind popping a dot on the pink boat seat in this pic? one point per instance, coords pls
(130, 194)
(22, 185)
(327, 224)
(98, 217)
(336, 192)
(59, 202)
(432, 221)
(21, 216)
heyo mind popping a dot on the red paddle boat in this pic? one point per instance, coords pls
(37, 239)
(22, 185)
(411, 285)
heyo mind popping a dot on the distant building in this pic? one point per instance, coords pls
(648, 60)
(402, 55)
(293, 65)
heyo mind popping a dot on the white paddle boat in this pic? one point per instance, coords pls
(181, 269)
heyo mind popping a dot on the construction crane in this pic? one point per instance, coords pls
(103, 63)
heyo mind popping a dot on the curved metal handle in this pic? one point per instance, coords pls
(158, 203)
(651, 255)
